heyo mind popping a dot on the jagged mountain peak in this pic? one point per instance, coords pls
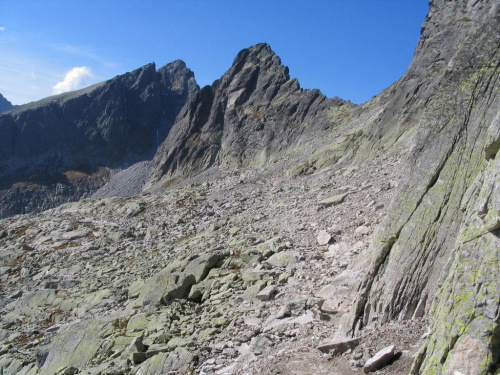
(176, 64)
(382, 244)
(250, 114)
(111, 124)
(258, 55)
(179, 78)
(256, 63)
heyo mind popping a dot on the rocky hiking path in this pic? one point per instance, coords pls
(248, 272)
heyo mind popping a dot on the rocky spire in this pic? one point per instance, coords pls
(246, 116)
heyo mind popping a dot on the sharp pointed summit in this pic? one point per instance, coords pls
(249, 115)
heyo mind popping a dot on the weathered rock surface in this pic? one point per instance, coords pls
(171, 282)
(380, 359)
(433, 247)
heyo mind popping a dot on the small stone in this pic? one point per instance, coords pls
(138, 357)
(336, 249)
(259, 344)
(284, 259)
(16, 294)
(71, 370)
(137, 345)
(75, 234)
(323, 238)
(25, 272)
(230, 352)
(333, 201)
(266, 293)
(363, 230)
(252, 321)
(5, 348)
(283, 278)
(357, 355)
(234, 230)
(380, 359)
(359, 363)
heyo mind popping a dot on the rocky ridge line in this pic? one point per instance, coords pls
(250, 116)
(52, 151)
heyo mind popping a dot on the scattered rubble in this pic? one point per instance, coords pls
(170, 282)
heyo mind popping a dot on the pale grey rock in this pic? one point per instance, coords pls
(267, 293)
(363, 230)
(333, 200)
(75, 234)
(323, 238)
(75, 346)
(284, 259)
(259, 344)
(179, 360)
(379, 360)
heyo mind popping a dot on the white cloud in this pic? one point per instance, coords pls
(2, 28)
(75, 78)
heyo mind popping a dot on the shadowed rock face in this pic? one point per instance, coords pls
(251, 114)
(111, 124)
(5, 105)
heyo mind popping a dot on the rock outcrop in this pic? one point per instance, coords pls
(112, 124)
(250, 115)
(437, 252)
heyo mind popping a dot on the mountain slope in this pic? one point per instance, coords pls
(111, 124)
(247, 117)
(437, 251)
(330, 231)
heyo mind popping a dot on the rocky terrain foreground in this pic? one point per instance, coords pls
(274, 231)
(243, 273)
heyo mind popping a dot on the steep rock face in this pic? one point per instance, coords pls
(439, 245)
(107, 124)
(5, 105)
(111, 124)
(254, 111)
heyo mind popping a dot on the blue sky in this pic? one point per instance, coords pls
(351, 49)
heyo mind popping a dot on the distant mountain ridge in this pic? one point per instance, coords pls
(250, 115)
(5, 105)
(111, 124)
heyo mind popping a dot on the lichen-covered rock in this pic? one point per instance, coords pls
(75, 346)
(441, 227)
(180, 360)
(176, 280)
